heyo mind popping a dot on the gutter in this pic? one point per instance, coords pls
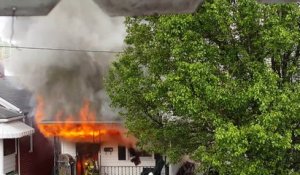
(11, 119)
(80, 122)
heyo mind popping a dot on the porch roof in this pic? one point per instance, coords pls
(82, 122)
(14, 129)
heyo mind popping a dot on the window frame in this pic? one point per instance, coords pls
(11, 145)
(125, 152)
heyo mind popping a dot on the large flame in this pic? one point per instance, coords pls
(87, 129)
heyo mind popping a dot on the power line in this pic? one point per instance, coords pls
(59, 49)
(47, 48)
(12, 25)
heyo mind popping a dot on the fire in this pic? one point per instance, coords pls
(87, 129)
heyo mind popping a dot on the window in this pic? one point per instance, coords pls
(122, 152)
(9, 146)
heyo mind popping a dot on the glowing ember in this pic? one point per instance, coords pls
(87, 129)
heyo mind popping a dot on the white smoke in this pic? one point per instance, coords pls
(65, 79)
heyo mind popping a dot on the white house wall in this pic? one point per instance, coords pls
(9, 163)
(68, 148)
(173, 168)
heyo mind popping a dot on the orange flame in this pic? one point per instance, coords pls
(87, 129)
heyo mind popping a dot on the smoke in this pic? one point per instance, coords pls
(66, 79)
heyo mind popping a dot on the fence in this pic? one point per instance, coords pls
(123, 170)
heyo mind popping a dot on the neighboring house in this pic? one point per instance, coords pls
(33, 153)
(12, 128)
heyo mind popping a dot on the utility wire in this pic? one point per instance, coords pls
(12, 25)
(59, 49)
(46, 48)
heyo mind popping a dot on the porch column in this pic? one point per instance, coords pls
(19, 157)
(1, 157)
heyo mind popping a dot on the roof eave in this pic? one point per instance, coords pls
(11, 119)
(80, 122)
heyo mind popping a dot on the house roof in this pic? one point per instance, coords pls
(7, 114)
(15, 94)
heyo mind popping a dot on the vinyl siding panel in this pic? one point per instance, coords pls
(9, 163)
(68, 148)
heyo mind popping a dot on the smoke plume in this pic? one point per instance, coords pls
(66, 79)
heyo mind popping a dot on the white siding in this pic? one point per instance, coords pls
(109, 160)
(173, 168)
(68, 148)
(9, 163)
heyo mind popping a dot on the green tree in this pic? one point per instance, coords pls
(220, 85)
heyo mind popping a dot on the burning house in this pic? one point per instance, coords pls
(73, 110)
(105, 157)
(87, 144)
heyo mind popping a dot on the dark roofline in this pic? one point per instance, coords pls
(11, 119)
(79, 122)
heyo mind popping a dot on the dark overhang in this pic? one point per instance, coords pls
(26, 7)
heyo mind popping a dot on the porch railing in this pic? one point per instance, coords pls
(123, 170)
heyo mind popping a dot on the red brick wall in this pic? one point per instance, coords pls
(40, 161)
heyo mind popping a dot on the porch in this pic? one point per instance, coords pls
(124, 170)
